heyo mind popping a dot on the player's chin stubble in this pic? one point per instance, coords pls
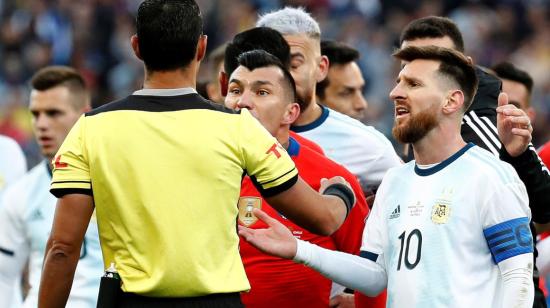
(416, 128)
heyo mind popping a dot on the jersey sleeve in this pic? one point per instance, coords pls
(375, 233)
(505, 218)
(71, 172)
(14, 246)
(266, 162)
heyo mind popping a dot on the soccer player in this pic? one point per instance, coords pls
(342, 89)
(263, 85)
(479, 124)
(265, 39)
(361, 149)
(163, 169)
(58, 98)
(465, 240)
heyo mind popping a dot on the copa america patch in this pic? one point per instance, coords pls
(246, 205)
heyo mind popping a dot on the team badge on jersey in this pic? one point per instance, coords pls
(246, 205)
(441, 213)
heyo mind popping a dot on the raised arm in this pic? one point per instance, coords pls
(323, 212)
(514, 130)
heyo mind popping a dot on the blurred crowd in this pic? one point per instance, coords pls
(93, 36)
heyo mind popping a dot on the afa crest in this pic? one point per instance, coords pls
(441, 213)
(246, 205)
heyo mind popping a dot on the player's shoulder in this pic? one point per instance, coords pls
(368, 135)
(484, 164)
(9, 146)
(17, 195)
(29, 180)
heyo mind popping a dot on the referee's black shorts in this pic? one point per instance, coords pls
(222, 300)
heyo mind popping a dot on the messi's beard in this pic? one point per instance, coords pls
(417, 126)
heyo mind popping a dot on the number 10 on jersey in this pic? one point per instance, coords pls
(410, 262)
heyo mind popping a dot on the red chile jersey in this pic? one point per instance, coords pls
(277, 282)
(303, 141)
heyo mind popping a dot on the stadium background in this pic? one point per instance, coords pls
(93, 36)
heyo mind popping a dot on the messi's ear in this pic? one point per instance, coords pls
(224, 81)
(454, 102)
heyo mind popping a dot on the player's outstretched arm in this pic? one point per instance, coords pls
(517, 277)
(321, 213)
(348, 270)
(72, 216)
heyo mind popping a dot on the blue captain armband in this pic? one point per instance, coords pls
(509, 239)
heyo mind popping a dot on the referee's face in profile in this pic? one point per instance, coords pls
(262, 92)
(53, 115)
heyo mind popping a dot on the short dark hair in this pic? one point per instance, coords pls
(433, 27)
(454, 65)
(168, 32)
(256, 38)
(55, 76)
(214, 59)
(507, 70)
(338, 54)
(260, 58)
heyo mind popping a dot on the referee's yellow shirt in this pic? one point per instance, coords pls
(165, 169)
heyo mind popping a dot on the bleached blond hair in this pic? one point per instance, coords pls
(291, 21)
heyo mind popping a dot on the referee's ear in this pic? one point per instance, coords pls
(135, 46)
(201, 47)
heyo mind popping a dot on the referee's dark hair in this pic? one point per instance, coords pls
(256, 38)
(337, 54)
(260, 58)
(168, 32)
(454, 67)
(433, 27)
(62, 76)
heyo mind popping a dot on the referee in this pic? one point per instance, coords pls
(163, 168)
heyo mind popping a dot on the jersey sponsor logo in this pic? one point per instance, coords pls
(396, 212)
(246, 205)
(275, 150)
(58, 164)
(441, 213)
(416, 210)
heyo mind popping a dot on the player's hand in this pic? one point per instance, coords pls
(343, 300)
(276, 240)
(514, 127)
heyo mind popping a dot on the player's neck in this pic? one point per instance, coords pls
(283, 135)
(312, 112)
(437, 146)
(173, 79)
